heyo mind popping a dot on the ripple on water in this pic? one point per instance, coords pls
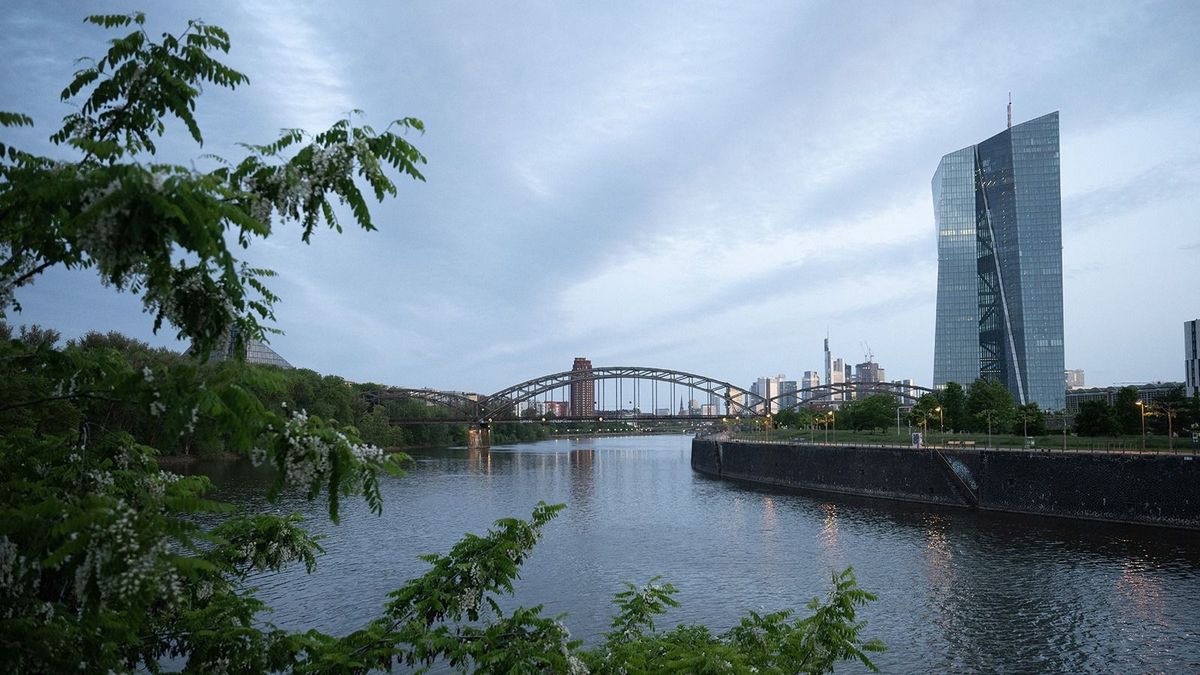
(958, 591)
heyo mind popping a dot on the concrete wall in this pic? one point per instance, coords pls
(1145, 489)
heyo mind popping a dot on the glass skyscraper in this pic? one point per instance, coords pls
(998, 212)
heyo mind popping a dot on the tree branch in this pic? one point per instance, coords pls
(64, 397)
(24, 278)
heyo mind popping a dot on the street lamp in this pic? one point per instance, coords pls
(833, 416)
(1143, 416)
(941, 421)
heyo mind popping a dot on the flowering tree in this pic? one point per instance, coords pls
(103, 565)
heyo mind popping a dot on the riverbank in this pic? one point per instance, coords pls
(1142, 489)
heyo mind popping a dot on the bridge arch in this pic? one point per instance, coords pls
(820, 395)
(468, 408)
(500, 404)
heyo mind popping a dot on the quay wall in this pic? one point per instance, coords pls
(1147, 489)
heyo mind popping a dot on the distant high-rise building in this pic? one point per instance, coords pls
(787, 394)
(810, 380)
(833, 372)
(866, 374)
(736, 402)
(1073, 379)
(997, 207)
(583, 392)
(768, 388)
(868, 371)
(1191, 357)
(907, 388)
(837, 376)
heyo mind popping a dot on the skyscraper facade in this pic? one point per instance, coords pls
(583, 392)
(1191, 357)
(997, 208)
(811, 379)
(835, 373)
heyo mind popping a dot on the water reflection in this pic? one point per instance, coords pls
(959, 591)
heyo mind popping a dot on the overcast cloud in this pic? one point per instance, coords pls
(709, 187)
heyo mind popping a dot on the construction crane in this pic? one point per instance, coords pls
(870, 356)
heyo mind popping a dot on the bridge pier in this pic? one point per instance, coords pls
(479, 437)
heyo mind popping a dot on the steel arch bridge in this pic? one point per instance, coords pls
(457, 403)
(480, 411)
(500, 405)
(828, 394)
(735, 398)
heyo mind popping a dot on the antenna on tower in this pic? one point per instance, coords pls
(1010, 110)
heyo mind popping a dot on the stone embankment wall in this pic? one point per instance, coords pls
(1144, 489)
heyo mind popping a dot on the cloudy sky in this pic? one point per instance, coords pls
(709, 187)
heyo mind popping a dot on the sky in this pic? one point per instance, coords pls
(709, 187)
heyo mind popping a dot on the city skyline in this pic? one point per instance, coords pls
(679, 193)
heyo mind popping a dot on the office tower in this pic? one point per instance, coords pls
(768, 388)
(998, 213)
(867, 374)
(908, 391)
(1074, 379)
(1191, 358)
(583, 391)
(811, 379)
(787, 394)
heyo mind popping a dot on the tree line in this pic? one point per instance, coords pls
(987, 406)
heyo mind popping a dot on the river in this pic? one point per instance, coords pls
(958, 591)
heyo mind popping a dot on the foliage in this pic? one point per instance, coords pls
(162, 230)
(794, 418)
(954, 404)
(759, 643)
(1029, 420)
(874, 412)
(1172, 413)
(989, 406)
(1127, 411)
(517, 432)
(1096, 418)
(924, 411)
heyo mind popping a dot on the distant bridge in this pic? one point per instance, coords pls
(631, 387)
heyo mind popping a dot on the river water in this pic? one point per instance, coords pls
(958, 591)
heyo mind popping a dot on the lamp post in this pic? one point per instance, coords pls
(833, 416)
(941, 423)
(898, 408)
(1142, 414)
